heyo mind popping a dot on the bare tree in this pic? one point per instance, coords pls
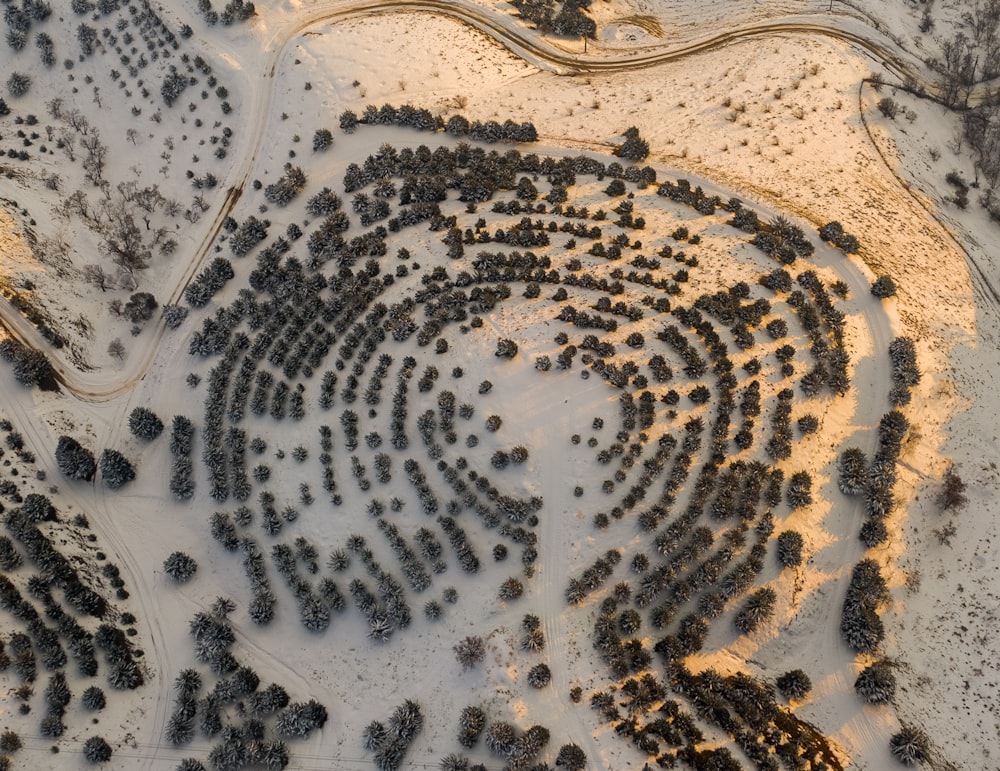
(66, 142)
(952, 494)
(96, 275)
(97, 152)
(116, 348)
(78, 122)
(123, 239)
(54, 107)
(77, 204)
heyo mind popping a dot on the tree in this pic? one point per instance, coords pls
(116, 348)
(123, 239)
(910, 746)
(470, 651)
(140, 307)
(96, 750)
(794, 684)
(100, 278)
(145, 424)
(74, 460)
(116, 469)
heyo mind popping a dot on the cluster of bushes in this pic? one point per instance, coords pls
(833, 232)
(124, 673)
(390, 742)
(428, 501)
(246, 235)
(281, 192)
(905, 371)
(209, 282)
(31, 368)
(519, 750)
(593, 578)
(466, 555)
(57, 696)
(262, 601)
(827, 347)
(413, 569)
(181, 472)
(74, 460)
(860, 624)
(780, 239)
(563, 18)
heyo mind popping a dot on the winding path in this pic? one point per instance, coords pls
(506, 31)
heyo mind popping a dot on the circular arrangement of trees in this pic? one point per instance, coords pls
(345, 355)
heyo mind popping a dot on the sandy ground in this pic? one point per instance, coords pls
(782, 123)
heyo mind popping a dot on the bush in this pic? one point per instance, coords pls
(888, 107)
(910, 746)
(799, 492)
(116, 469)
(790, 549)
(539, 676)
(876, 683)
(174, 315)
(853, 468)
(322, 139)
(180, 567)
(74, 460)
(470, 651)
(470, 725)
(794, 684)
(758, 607)
(145, 424)
(884, 287)
(634, 148)
(93, 699)
(18, 84)
(96, 750)
(572, 758)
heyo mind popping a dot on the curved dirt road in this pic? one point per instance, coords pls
(506, 31)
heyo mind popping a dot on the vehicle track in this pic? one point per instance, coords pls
(503, 30)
